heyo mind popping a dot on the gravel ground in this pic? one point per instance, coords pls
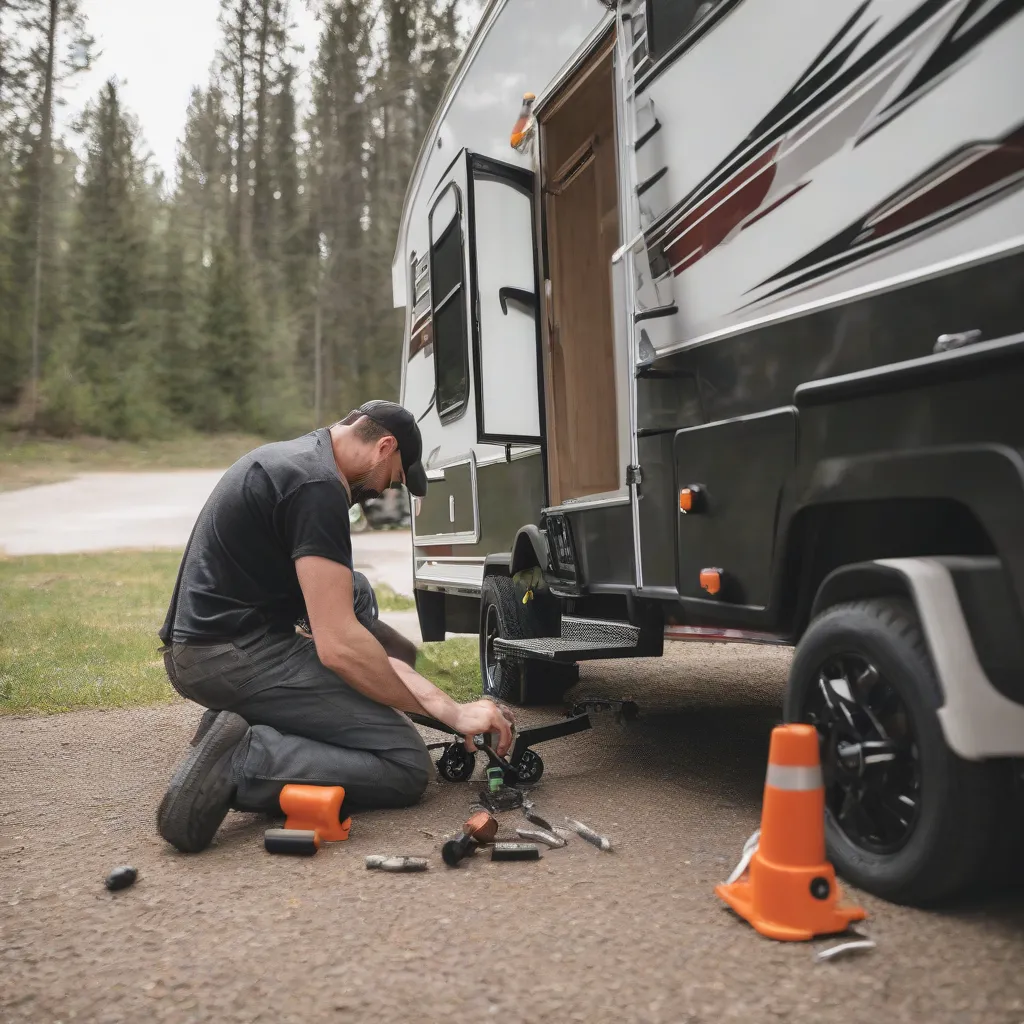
(234, 934)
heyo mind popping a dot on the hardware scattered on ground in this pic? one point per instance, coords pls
(479, 830)
(121, 878)
(505, 798)
(585, 832)
(843, 949)
(383, 863)
(297, 842)
(515, 851)
(538, 835)
(533, 817)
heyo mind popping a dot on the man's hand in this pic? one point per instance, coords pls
(483, 716)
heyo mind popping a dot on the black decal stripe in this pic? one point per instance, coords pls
(987, 171)
(812, 91)
(950, 52)
(835, 40)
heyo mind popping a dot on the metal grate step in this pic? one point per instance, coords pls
(581, 640)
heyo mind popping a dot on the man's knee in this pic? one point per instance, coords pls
(414, 775)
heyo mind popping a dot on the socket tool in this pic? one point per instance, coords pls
(479, 830)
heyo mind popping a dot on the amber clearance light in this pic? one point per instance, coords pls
(711, 580)
(524, 127)
(691, 498)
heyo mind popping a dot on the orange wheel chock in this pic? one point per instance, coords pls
(790, 891)
(315, 809)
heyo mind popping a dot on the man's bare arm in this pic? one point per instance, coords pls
(342, 642)
(351, 651)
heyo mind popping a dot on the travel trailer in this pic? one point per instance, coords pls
(714, 332)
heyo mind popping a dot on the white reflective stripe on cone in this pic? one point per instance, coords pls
(784, 776)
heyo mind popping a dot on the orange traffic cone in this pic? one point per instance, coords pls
(790, 892)
(315, 809)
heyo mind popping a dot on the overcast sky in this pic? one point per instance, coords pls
(158, 50)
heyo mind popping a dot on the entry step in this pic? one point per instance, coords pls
(581, 640)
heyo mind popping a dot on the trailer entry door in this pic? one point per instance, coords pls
(505, 302)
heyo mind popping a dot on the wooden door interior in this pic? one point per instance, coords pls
(580, 189)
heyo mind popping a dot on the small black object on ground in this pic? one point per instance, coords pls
(297, 842)
(515, 851)
(121, 878)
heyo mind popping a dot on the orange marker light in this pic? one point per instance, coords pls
(686, 500)
(524, 127)
(711, 580)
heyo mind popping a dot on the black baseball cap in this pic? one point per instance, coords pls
(399, 422)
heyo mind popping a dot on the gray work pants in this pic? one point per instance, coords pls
(307, 725)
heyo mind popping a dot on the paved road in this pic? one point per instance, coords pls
(104, 511)
(636, 935)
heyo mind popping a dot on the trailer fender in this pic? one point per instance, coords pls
(978, 720)
(529, 549)
(497, 564)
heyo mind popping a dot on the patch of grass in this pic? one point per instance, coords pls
(79, 631)
(389, 601)
(453, 666)
(27, 460)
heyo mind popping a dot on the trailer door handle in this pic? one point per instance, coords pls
(520, 296)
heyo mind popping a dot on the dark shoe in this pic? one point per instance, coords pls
(203, 787)
(209, 717)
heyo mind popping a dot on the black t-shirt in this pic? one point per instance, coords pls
(276, 504)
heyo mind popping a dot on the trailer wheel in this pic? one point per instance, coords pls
(525, 682)
(905, 817)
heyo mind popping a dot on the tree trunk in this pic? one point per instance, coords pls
(260, 208)
(44, 194)
(241, 165)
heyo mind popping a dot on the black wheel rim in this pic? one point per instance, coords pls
(869, 754)
(529, 767)
(491, 633)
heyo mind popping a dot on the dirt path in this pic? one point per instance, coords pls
(637, 935)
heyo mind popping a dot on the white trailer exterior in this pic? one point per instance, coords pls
(731, 348)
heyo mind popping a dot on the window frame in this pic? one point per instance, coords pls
(458, 223)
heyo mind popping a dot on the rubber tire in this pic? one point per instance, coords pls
(531, 681)
(959, 798)
(466, 766)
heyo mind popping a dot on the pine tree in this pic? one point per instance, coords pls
(340, 129)
(99, 380)
(230, 351)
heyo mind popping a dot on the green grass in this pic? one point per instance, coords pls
(26, 460)
(453, 666)
(79, 631)
(389, 601)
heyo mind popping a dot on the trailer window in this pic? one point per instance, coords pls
(669, 20)
(448, 304)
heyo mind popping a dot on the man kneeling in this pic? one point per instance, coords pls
(271, 548)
